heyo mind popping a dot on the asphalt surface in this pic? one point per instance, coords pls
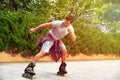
(80, 70)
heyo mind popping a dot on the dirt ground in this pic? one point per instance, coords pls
(6, 57)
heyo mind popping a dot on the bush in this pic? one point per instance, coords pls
(14, 32)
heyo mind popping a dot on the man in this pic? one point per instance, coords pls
(58, 29)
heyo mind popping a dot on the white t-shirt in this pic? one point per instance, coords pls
(58, 30)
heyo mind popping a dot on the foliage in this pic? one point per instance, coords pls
(15, 25)
(18, 16)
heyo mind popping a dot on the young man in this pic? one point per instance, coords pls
(58, 30)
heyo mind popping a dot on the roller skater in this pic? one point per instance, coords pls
(52, 44)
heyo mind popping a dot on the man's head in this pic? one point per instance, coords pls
(68, 20)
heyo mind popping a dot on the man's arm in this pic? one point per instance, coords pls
(72, 35)
(45, 25)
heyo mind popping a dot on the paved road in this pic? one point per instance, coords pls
(81, 70)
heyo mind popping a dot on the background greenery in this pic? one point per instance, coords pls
(97, 24)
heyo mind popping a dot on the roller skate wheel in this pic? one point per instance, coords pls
(60, 74)
(27, 75)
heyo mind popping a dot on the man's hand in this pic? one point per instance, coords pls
(45, 25)
(32, 30)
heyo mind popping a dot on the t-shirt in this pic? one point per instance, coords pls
(58, 30)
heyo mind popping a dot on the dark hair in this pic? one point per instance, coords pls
(70, 17)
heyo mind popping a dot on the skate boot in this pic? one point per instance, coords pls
(29, 71)
(62, 69)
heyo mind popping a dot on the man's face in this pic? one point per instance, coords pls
(66, 23)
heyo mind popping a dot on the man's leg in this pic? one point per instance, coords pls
(45, 49)
(29, 70)
(37, 56)
(62, 68)
(64, 55)
(30, 67)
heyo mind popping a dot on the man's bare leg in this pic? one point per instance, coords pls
(29, 70)
(64, 55)
(62, 68)
(38, 56)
